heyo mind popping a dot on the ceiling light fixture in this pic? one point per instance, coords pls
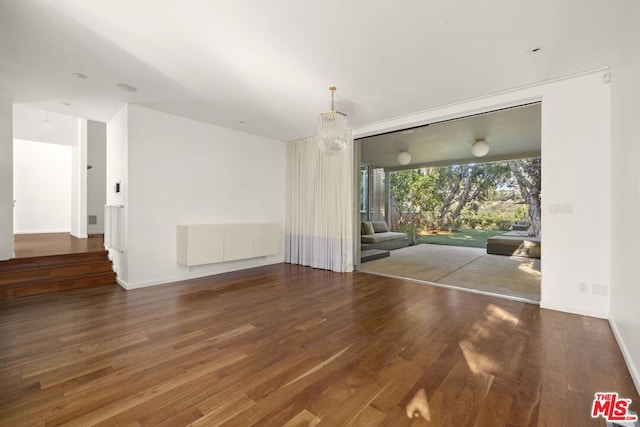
(404, 158)
(333, 129)
(47, 124)
(80, 76)
(127, 88)
(480, 148)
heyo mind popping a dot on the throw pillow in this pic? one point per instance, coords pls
(380, 226)
(367, 228)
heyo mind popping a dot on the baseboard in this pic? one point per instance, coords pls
(41, 231)
(633, 369)
(575, 310)
(167, 280)
(123, 284)
(80, 236)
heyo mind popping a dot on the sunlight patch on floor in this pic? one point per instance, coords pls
(529, 268)
(494, 318)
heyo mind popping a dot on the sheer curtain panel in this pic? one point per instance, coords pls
(319, 221)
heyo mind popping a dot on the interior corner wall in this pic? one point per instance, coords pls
(576, 172)
(96, 176)
(182, 171)
(117, 152)
(6, 177)
(625, 191)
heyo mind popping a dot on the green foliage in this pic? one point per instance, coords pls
(480, 196)
(436, 197)
(410, 191)
(492, 215)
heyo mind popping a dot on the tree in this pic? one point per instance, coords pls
(460, 185)
(528, 173)
(408, 192)
(436, 197)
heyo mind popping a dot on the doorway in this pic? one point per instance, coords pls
(59, 174)
(510, 134)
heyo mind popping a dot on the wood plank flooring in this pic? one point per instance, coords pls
(287, 346)
(32, 245)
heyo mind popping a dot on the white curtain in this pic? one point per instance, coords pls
(319, 224)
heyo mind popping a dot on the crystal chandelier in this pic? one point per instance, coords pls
(333, 129)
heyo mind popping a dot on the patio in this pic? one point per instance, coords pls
(462, 267)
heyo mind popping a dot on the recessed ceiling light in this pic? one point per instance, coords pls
(80, 76)
(66, 104)
(127, 88)
(241, 122)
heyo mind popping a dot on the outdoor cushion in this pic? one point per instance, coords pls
(367, 228)
(379, 226)
(382, 237)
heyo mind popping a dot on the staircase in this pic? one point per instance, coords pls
(37, 275)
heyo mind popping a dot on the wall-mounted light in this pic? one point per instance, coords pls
(404, 158)
(480, 148)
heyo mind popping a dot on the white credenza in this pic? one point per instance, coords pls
(200, 244)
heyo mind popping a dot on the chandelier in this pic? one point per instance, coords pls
(333, 129)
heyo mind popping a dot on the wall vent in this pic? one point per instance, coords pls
(93, 219)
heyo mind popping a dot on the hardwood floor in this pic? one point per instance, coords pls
(32, 245)
(286, 345)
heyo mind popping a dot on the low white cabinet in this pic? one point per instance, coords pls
(200, 244)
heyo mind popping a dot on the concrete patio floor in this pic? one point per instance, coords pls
(469, 268)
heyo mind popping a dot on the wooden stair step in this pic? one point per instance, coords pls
(50, 261)
(39, 286)
(56, 271)
(37, 275)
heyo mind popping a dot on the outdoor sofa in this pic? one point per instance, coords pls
(376, 235)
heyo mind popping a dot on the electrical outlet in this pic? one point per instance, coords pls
(583, 287)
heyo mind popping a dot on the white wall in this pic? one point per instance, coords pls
(6, 177)
(117, 171)
(575, 173)
(181, 171)
(97, 175)
(625, 191)
(78, 203)
(42, 187)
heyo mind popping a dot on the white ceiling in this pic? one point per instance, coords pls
(269, 63)
(512, 133)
